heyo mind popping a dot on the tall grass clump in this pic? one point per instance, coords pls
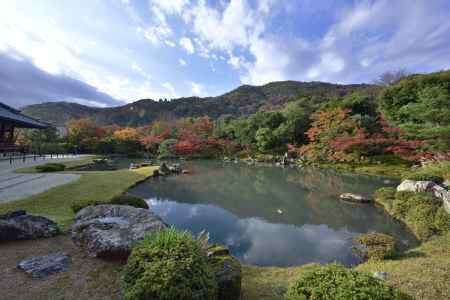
(169, 264)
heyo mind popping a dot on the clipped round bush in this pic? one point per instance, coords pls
(425, 177)
(375, 245)
(127, 199)
(169, 265)
(336, 282)
(51, 167)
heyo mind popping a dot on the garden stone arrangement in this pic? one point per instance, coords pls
(44, 266)
(110, 231)
(19, 225)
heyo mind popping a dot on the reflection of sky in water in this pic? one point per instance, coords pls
(255, 241)
(238, 205)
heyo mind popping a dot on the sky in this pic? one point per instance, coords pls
(111, 52)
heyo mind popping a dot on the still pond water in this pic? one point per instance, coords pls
(241, 207)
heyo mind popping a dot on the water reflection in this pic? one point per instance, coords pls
(238, 205)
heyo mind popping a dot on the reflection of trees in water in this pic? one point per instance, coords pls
(306, 196)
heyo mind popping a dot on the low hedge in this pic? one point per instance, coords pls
(124, 199)
(169, 265)
(336, 282)
(51, 167)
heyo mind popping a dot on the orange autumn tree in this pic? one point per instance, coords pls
(326, 125)
(84, 134)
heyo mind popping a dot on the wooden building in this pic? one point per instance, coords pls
(10, 119)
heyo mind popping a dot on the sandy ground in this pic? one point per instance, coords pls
(87, 278)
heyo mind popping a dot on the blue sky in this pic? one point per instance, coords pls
(110, 52)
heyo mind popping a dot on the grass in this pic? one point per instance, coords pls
(422, 272)
(56, 203)
(386, 168)
(69, 164)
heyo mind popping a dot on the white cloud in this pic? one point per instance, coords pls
(170, 43)
(182, 62)
(170, 6)
(197, 88)
(187, 45)
(158, 33)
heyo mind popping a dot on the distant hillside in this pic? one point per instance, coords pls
(242, 101)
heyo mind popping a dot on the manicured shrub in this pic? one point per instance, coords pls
(169, 265)
(51, 167)
(375, 246)
(424, 176)
(127, 199)
(336, 282)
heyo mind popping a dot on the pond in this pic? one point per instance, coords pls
(271, 216)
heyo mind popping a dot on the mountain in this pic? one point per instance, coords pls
(242, 101)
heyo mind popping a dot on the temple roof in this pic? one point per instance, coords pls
(14, 117)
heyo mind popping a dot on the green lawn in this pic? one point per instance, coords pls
(69, 164)
(56, 203)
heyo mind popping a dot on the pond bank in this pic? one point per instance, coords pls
(421, 272)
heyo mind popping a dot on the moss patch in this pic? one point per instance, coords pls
(68, 165)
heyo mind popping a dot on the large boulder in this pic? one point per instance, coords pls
(415, 186)
(43, 266)
(349, 197)
(19, 225)
(110, 231)
(440, 192)
(227, 271)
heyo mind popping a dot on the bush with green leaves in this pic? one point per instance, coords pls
(51, 167)
(334, 281)
(169, 265)
(127, 199)
(124, 199)
(422, 212)
(375, 245)
(423, 176)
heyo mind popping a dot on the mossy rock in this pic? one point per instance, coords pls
(169, 265)
(227, 271)
(51, 167)
(374, 246)
(127, 199)
(336, 282)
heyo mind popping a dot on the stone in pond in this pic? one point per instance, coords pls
(227, 271)
(110, 231)
(354, 198)
(18, 225)
(415, 186)
(43, 266)
(381, 275)
(164, 169)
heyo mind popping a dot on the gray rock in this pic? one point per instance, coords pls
(446, 183)
(110, 231)
(43, 266)
(19, 225)
(354, 198)
(175, 168)
(164, 169)
(227, 271)
(416, 186)
(443, 194)
(381, 275)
